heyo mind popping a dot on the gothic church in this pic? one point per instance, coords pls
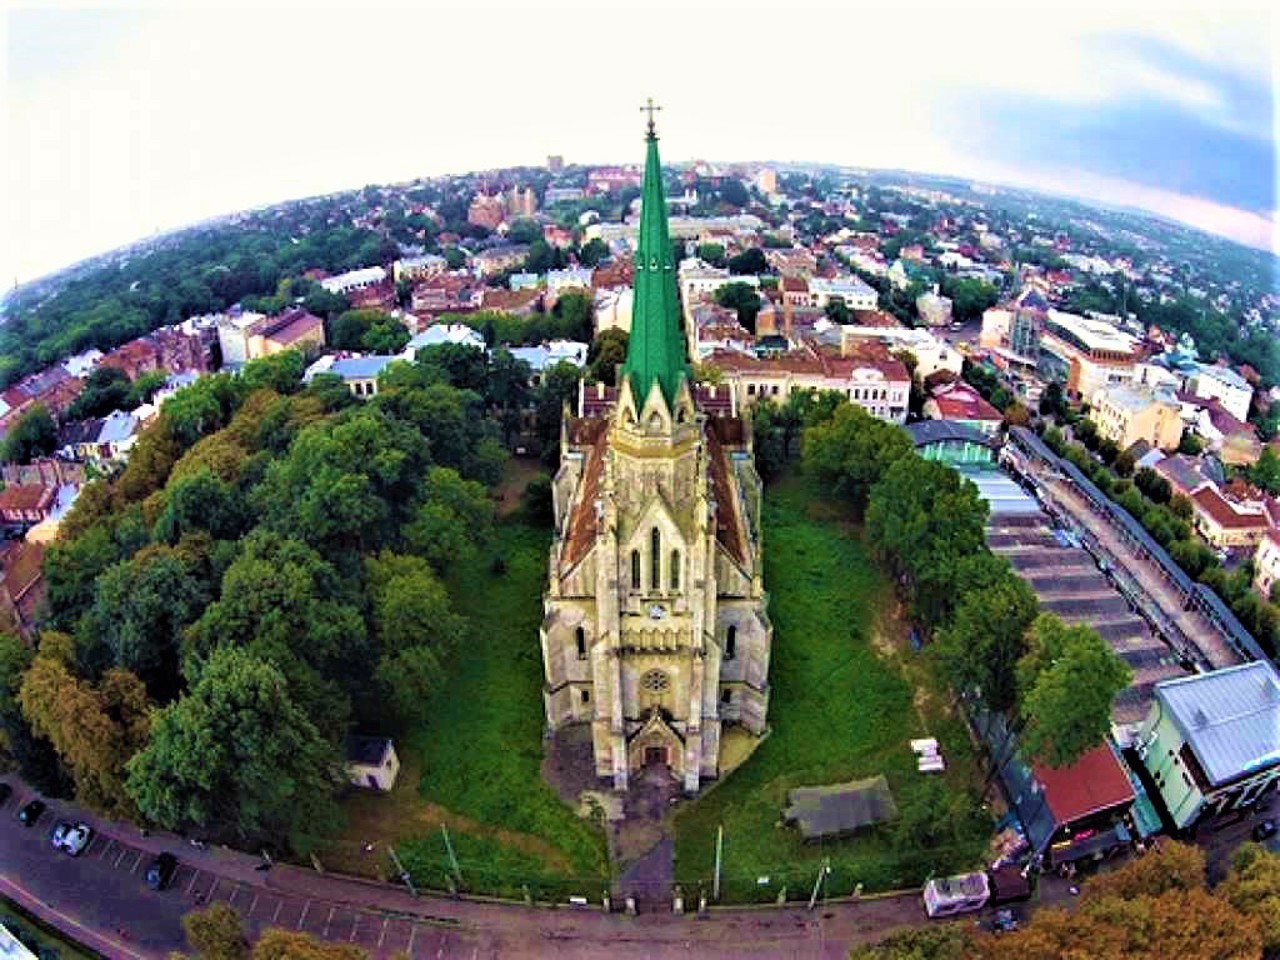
(655, 631)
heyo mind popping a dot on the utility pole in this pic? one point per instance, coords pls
(404, 874)
(715, 887)
(448, 845)
(817, 883)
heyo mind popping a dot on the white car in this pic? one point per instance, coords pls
(70, 838)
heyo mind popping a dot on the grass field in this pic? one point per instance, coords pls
(846, 698)
(475, 765)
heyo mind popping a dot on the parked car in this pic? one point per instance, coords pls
(5, 791)
(1264, 829)
(160, 871)
(71, 838)
(31, 812)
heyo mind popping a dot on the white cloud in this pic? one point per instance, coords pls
(179, 116)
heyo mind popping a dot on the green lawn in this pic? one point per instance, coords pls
(842, 707)
(481, 750)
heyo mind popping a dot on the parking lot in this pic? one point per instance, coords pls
(104, 893)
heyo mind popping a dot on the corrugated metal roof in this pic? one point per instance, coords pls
(1230, 718)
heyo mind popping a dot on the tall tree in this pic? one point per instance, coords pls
(34, 435)
(852, 451)
(981, 647)
(1068, 680)
(1253, 887)
(94, 729)
(216, 933)
(238, 757)
(608, 350)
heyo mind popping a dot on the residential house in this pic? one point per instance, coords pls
(1182, 472)
(46, 471)
(79, 440)
(934, 310)
(353, 280)
(962, 403)
(422, 267)
(1126, 414)
(791, 261)
(554, 195)
(547, 355)
(439, 334)
(1213, 382)
(953, 443)
(1224, 523)
(135, 358)
(795, 291)
(22, 586)
(612, 179)
(877, 383)
(234, 331)
(26, 503)
(1235, 442)
(996, 323)
(294, 329)
(359, 374)
(522, 303)
(499, 259)
(82, 364)
(1212, 741)
(372, 763)
(613, 309)
(717, 328)
(117, 436)
(560, 282)
(855, 293)
(524, 281)
(1266, 563)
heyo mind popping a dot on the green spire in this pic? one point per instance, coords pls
(656, 348)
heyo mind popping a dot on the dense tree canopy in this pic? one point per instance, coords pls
(239, 757)
(852, 451)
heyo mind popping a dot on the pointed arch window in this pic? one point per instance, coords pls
(731, 643)
(674, 573)
(580, 637)
(635, 569)
(655, 559)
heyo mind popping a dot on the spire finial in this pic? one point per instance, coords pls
(650, 108)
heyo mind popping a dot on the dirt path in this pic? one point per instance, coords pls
(509, 493)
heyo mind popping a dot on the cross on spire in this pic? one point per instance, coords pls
(650, 108)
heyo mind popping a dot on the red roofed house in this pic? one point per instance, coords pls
(1086, 801)
(880, 385)
(22, 586)
(26, 503)
(294, 329)
(1224, 523)
(133, 358)
(1266, 563)
(1235, 442)
(961, 402)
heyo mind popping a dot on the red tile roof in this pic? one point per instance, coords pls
(26, 497)
(291, 326)
(581, 535)
(1094, 783)
(1211, 502)
(959, 401)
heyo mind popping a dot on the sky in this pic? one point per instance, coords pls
(121, 123)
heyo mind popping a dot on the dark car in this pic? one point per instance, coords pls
(30, 813)
(160, 871)
(1264, 829)
(5, 791)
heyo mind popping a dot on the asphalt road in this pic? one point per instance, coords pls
(100, 899)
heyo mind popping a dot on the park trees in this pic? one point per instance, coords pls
(743, 298)
(1253, 887)
(238, 756)
(927, 523)
(33, 435)
(852, 451)
(1067, 680)
(750, 261)
(452, 521)
(608, 350)
(987, 637)
(94, 728)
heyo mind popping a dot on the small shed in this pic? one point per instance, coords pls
(839, 809)
(372, 762)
